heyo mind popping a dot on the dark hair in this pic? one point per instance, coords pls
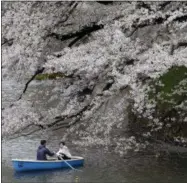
(63, 143)
(43, 142)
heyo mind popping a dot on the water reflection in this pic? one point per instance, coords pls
(43, 176)
(19, 175)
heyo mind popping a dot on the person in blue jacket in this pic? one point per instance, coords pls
(43, 151)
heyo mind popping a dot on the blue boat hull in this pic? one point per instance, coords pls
(31, 165)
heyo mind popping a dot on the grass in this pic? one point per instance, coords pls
(49, 76)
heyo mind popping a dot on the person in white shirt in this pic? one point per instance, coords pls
(63, 152)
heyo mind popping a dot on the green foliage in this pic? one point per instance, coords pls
(50, 76)
(170, 89)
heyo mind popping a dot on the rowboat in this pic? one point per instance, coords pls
(31, 165)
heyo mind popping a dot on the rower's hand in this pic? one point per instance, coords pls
(56, 154)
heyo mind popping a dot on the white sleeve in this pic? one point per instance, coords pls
(66, 151)
(59, 151)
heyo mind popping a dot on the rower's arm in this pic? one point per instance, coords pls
(48, 152)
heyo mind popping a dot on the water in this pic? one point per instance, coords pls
(100, 165)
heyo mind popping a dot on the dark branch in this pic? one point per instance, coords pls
(77, 35)
(75, 40)
(144, 5)
(182, 18)
(163, 5)
(66, 17)
(174, 47)
(9, 42)
(105, 2)
(62, 118)
(39, 71)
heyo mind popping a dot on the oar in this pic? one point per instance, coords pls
(70, 165)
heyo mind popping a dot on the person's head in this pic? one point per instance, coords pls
(43, 142)
(62, 143)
